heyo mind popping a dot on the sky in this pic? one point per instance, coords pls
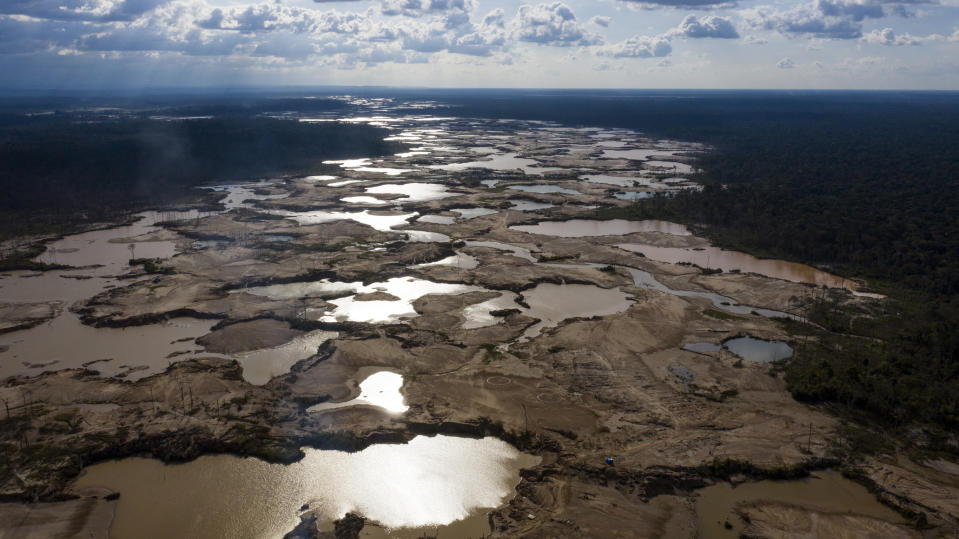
(797, 44)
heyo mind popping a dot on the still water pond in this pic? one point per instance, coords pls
(578, 228)
(827, 490)
(428, 482)
(714, 257)
(758, 350)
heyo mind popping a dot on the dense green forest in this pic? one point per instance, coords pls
(84, 163)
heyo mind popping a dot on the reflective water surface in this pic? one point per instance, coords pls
(826, 490)
(714, 257)
(380, 389)
(578, 228)
(553, 303)
(758, 350)
(133, 352)
(543, 189)
(262, 365)
(426, 482)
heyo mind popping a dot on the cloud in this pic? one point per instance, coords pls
(785, 63)
(687, 4)
(831, 19)
(638, 47)
(419, 8)
(805, 20)
(80, 10)
(20, 35)
(887, 37)
(484, 38)
(552, 24)
(857, 10)
(601, 20)
(705, 27)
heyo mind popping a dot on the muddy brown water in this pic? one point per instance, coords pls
(262, 365)
(714, 257)
(553, 303)
(435, 484)
(66, 343)
(826, 491)
(580, 228)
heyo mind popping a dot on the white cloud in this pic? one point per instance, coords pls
(552, 24)
(80, 10)
(830, 19)
(887, 37)
(704, 27)
(638, 47)
(785, 63)
(419, 8)
(601, 20)
(805, 20)
(688, 4)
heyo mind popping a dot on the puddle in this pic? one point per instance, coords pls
(422, 236)
(350, 163)
(646, 280)
(383, 170)
(508, 161)
(343, 183)
(65, 286)
(436, 219)
(260, 366)
(364, 200)
(758, 350)
(472, 213)
(414, 192)
(462, 261)
(479, 315)
(237, 195)
(65, 343)
(826, 490)
(553, 303)
(528, 205)
(407, 289)
(619, 181)
(714, 257)
(579, 228)
(490, 183)
(380, 389)
(426, 483)
(378, 221)
(543, 189)
(207, 244)
(108, 248)
(349, 308)
(636, 154)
